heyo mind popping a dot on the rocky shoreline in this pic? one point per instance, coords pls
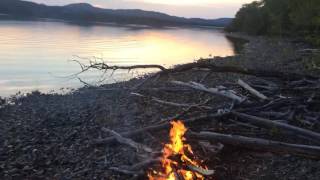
(51, 136)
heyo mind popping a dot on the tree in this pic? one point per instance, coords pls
(280, 17)
(250, 19)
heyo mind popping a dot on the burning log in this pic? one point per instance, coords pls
(260, 144)
(175, 157)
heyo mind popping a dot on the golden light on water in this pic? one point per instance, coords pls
(165, 47)
(37, 52)
(168, 48)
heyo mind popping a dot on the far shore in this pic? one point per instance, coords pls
(4, 17)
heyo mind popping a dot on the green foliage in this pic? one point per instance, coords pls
(312, 62)
(250, 19)
(280, 17)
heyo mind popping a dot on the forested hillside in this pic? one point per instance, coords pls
(280, 17)
(83, 12)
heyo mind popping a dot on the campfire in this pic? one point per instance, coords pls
(178, 160)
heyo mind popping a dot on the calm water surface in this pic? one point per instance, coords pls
(36, 55)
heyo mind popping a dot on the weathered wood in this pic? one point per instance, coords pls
(252, 90)
(259, 144)
(213, 149)
(153, 128)
(139, 147)
(172, 103)
(205, 172)
(240, 70)
(104, 66)
(216, 91)
(199, 65)
(262, 122)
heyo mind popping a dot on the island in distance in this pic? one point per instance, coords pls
(86, 13)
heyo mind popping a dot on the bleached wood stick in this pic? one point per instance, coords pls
(252, 90)
(216, 91)
(206, 172)
(172, 103)
(128, 141)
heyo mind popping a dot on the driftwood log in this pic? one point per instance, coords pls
(165, 125)
(262, 122)
(260, 144)
(199, 66)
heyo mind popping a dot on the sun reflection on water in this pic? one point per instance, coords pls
(39, 51)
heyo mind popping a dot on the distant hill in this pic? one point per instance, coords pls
(83, 12)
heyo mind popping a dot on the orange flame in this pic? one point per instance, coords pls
(176, 148)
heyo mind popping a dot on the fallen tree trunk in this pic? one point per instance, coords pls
(260, 144)
(240, 70)
(200, 65)
(261, 122)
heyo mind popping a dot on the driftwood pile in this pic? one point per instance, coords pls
(285, 105)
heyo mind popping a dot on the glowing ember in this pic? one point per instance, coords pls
(175, 160)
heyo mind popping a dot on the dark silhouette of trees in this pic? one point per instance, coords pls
(280, 17)
(251, 19)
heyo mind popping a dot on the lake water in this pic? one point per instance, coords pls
(37, 55)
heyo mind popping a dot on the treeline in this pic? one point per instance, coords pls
(280, 17)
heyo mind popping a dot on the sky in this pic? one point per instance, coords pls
(187, 8)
